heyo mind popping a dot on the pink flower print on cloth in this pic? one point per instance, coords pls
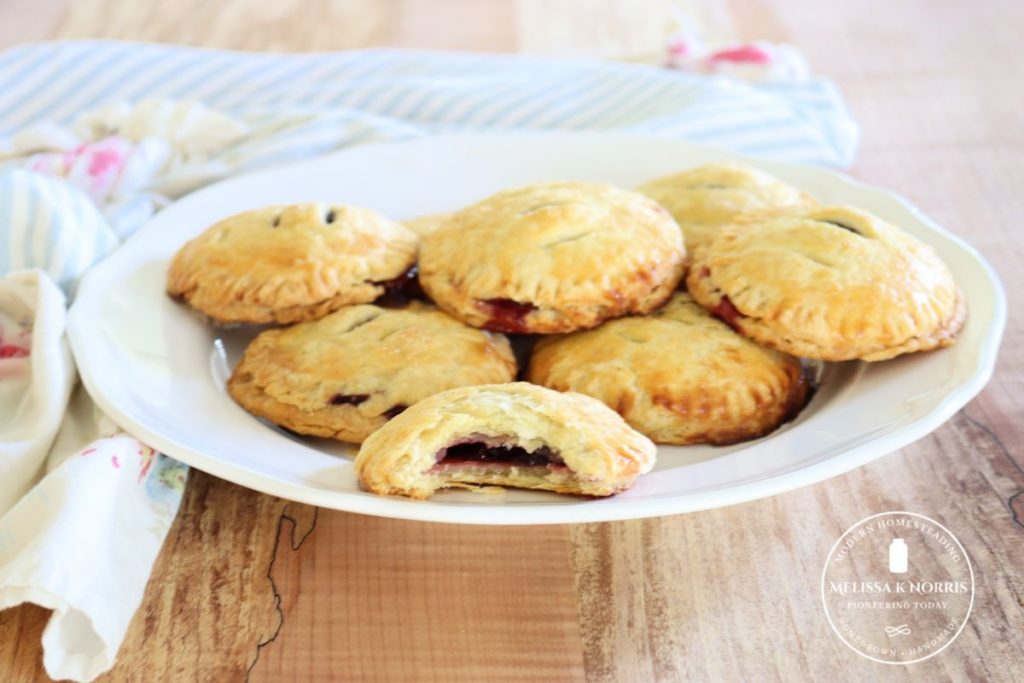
(15, 337)
(162, 477)
(15, 347)
(759, 61)
(104, 169)
(93, 167)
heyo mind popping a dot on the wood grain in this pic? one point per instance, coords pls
(436, 602)
(732, 594)
(252, 586)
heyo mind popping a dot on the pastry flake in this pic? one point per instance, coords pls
(424, 225)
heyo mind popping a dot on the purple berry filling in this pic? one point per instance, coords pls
(401, 290)
(348, 399)
(484, 449)
(507, 315)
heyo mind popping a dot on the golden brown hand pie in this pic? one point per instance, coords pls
(833, 283)
(519, 435)
(705, 198)
(553, 257)
(679, 375)
(287, 264)
(345, 375)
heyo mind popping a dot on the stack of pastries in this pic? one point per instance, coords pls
(677, 313)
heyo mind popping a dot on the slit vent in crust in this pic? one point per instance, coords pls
(844, 226)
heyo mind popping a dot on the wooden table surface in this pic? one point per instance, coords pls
(252, 586)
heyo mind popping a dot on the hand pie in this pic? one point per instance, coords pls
(678, 375)
(833, 283)
(345, 375)
(286, 264)
(517, 435)
(553, 257)
(705, 198)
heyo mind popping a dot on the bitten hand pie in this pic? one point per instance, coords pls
(553, 257)
(833, 283)
(679, 375)
(345, 375)
(705, 198)
(286, 264)
(517, 435)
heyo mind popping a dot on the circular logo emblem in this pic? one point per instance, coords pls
(897, 587)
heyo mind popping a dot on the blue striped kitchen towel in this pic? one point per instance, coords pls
(434, 91)
(305, 104)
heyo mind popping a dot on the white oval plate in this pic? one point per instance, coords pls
(159, 371)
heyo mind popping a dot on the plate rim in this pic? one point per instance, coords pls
(588, 511)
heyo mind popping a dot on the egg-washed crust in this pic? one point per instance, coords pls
(286, 264)
(602, 455)
(833, 283)
(705, 198)
(562, 255)
(347, 374)
(679, 376)
(424, 225)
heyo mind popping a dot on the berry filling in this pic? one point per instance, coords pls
(394, 411)
(359, 399)
(725, 310)
(507, 315)
(348, 399)
(727, 313)
(490, 450)
(400, 290)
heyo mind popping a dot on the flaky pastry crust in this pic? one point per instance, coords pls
(347, 374)
(705, 198)
(424, 225)
(286, 264)
(553, 257)
(592, 450)
(833, 283)
(679, 375)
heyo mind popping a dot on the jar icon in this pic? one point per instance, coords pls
(898, 556)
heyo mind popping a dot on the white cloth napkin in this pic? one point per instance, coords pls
(99, 490)
(36, 376)
(96, 136)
